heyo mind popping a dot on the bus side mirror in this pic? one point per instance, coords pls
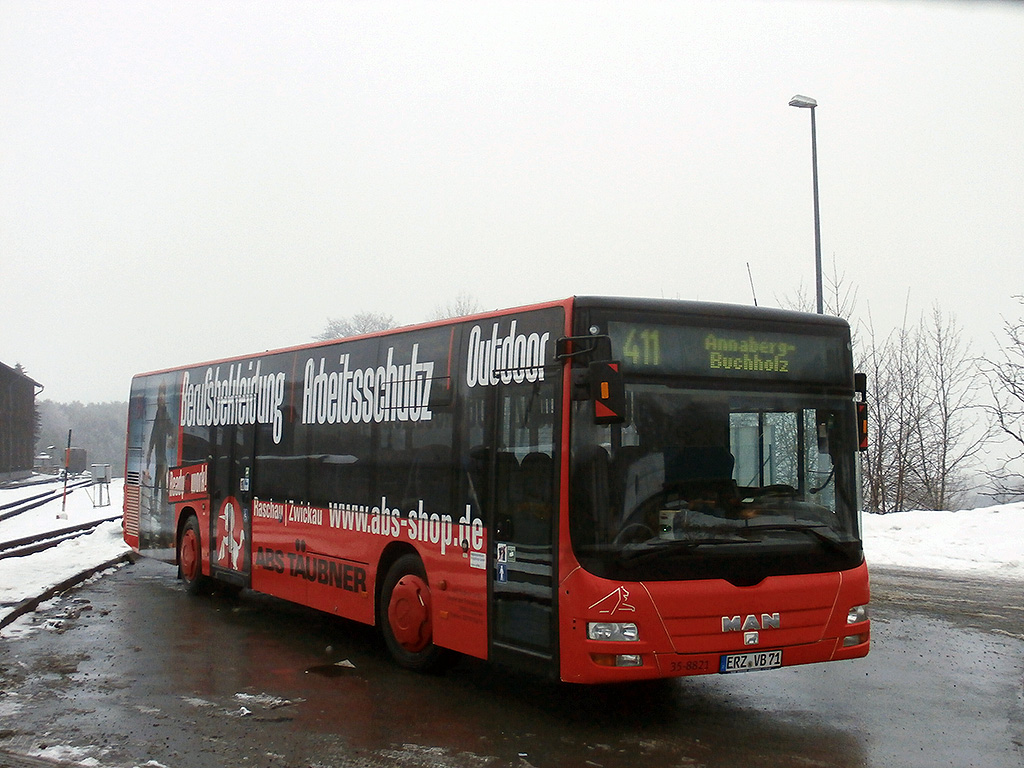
(607, 392)
(860, 386)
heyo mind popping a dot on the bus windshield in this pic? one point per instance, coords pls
(726, 483)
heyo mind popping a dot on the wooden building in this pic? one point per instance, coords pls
(17, 422)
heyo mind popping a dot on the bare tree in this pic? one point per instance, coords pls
(923, 397)
(1006, 380)
(948, 437)
(875, 480)
(356, 325)
(371, 322)
(839, 296)
(893, 408)
(460, 306)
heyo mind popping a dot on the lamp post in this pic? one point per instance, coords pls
(806, 102)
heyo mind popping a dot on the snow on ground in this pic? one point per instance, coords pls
(79, 508)
(980, 542)
(30, 576)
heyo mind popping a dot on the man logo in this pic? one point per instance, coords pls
(750, 622)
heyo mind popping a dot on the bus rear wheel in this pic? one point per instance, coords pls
(405, 614)
(190, 562)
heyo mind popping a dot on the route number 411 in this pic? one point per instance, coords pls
(643, 347)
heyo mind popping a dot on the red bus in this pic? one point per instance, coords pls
(595, 489)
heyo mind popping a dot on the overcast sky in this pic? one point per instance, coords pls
(184, 181)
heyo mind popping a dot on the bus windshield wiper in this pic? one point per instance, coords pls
(674, 546)
(813, 530)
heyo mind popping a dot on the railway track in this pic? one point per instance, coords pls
(29, 545)
(15, 508)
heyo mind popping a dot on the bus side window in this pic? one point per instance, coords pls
(506, 470)
(525, 469)
(592, 515)
(428, 479)
(533, 508)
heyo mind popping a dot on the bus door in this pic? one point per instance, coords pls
(522, 502)
(230, 538)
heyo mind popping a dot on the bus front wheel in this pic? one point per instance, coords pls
(190, 563)
(405, 614)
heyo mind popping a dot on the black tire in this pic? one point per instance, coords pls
(405, 617)
(190, 564)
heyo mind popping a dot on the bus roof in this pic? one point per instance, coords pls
(706, 309)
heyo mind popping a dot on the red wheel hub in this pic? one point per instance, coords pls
(189, 557)
(409, 613)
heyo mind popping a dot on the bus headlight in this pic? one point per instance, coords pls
(857, 614)
(617, 632)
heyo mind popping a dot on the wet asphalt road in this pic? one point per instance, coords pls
(131, 670)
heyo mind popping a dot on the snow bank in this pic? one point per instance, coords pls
(986, 541)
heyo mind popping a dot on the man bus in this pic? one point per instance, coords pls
(594, 489)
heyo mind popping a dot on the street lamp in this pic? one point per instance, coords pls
(806, 102)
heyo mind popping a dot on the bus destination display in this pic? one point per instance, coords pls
(721, 352)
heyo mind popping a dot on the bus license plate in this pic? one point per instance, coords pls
(748, 662)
